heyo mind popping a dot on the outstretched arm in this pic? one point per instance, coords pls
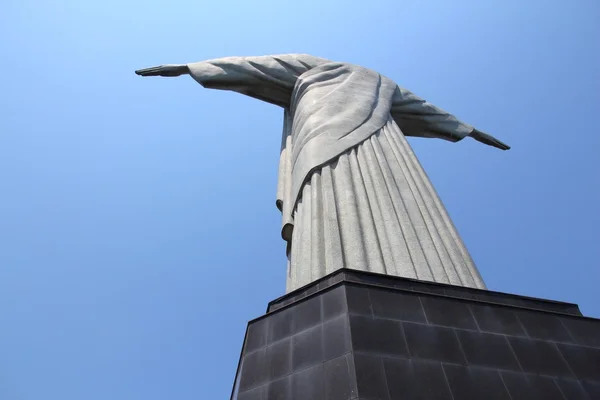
(417, 117)
(268, 78)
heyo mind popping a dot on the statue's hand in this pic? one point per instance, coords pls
(164, 70)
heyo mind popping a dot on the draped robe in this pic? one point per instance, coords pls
(351, 191)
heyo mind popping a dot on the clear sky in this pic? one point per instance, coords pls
(138, 228)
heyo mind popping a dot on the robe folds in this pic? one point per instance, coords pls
(351, 191)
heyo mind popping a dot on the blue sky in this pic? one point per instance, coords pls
(138, 231)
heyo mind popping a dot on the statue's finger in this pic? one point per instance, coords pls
(492, 141)
(488, 139)
(152, 71)
(501, 145)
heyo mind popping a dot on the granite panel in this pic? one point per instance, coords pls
(309, 384)
(544, 387)
(279, 359)
(358, 300)
(497, 319)
(517, 385)
(572, 389)
(368, 278)
(539, 357)
(584, 361)
(585, 331)
(379, 336)
(339, 379)
(474, 383)
(280, 389)
(280, 325)
(541, 325)
(259, 393)
(254, 370)
(336, 337)
(334, 302)
(592, 389)
(448, 312)
(311, 289)
(370, 377)
(487, 350)
(415, 380)
(396, 305)
(433, 342)
(306, 314)
(256, 335)
(307, 348)
(529, 386)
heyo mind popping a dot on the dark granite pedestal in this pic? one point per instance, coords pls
(356, 335)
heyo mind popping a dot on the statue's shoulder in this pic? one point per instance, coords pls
(308, 60)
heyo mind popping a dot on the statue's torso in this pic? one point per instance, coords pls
(334, 107)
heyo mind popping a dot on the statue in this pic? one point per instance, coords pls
(351, 192)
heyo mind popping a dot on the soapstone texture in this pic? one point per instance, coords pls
(351, 191)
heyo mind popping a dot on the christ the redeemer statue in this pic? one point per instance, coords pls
(351, 191)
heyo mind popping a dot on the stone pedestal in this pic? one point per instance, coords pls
(356, 335)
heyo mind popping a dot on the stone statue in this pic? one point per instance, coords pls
(351, 191)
